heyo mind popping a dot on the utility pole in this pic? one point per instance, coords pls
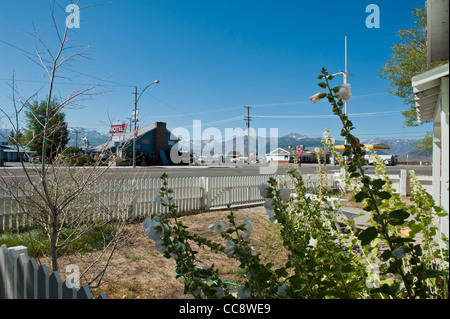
(136, 99)
(248, 119)
(135, 121)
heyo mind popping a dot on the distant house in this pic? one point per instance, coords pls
(289, 154)
(153, 145)
(431, 92)
(279, 155)
(9, 153)
(233, 156)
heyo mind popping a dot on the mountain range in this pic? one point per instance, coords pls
(403, 148)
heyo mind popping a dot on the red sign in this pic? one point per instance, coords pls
(117, 128)
(299, 151)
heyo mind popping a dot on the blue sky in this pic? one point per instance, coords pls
(212, 58)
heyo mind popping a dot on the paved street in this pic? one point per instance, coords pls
(227, 169)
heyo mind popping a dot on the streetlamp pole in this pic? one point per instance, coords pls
(345, 74)
(136, 99)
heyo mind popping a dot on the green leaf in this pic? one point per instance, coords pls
(399, 214)
(355, 175)
(386, 255)
(281, 272)
(401, 240)
(431, 273)
(378, 183)
(323, 85)
(360, 196)
(385, 289)
(384, 195)
(367, 235)
(397, 217)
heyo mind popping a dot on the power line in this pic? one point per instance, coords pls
(113, 83)
(325, 115)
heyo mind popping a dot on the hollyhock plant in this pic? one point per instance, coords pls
(317, 97)
(263, 190)
(154, 228)
(217, 227)
(285, 194)
(248, 226)
(327, 255)
(229, 250)
(344, 92)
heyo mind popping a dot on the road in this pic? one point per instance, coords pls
(210, 171)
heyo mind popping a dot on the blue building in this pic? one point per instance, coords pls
(153, 145)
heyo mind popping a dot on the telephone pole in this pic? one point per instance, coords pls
(248, 118)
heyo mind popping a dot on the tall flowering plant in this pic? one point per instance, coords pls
(328, 257)
(413, 273)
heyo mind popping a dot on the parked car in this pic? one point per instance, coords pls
(35, 159)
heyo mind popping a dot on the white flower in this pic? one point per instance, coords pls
(217, 227)
(229, 250)
(285, 194)
(399, 253)
(373, 278)
(263, 189)
(160, 199)
(269, 204)
(248, 226)
(282, 290)
(315, 98)
(243, 292)
(312, 242)
(154, 228)
(271, 215)
(344, 92)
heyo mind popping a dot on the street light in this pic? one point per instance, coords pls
(136, 99)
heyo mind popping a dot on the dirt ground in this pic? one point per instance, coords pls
(138, 271)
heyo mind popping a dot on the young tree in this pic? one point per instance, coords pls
(425, 144)
(54, 197)
(57, 135)
(408, 58)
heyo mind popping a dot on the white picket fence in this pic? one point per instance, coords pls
(190, 194)
(400, 182)
(21, 278)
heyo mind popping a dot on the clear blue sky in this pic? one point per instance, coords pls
(213, 57)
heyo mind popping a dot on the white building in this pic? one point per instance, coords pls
(431, 90)
(278, 155)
